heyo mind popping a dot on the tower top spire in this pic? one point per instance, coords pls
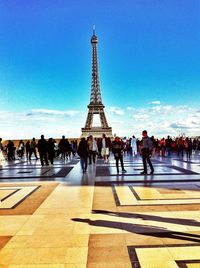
(94, 39)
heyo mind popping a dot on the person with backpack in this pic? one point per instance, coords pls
(146, 149)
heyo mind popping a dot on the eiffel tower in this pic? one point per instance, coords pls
(96, 106)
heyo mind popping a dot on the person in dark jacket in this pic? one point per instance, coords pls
(42, 149)
(83, 153)
(146, 149)
(11, 150)
(28, 150)
(117, 149)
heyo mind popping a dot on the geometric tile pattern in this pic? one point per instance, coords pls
(44, 172)
(178, 256)
(15, 195)
(153, 221)
(23, 198)
(127, 195)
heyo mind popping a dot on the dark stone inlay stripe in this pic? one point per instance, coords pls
(117, 201)
(181, 263)
(138, 198)
(63, 172)
(22, 198)
(19, 172)
(116, 198)
(9, 194)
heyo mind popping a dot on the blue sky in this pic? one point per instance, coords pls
(149, 63)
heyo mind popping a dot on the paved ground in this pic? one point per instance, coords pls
(58, 217)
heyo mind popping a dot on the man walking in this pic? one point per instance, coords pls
(147, 146)
(42, 148)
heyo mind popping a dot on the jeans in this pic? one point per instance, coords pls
(84, 163)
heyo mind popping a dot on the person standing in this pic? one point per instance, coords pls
(82, 151)
(50, 149)
(42, 148)
(105, 148)
(146, 148)
(10, 148)
(28, 150)
(93, 149)
(117, 149)
(20, 150)
(134, 146)
(33, 146)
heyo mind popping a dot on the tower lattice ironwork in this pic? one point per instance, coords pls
(96, 106)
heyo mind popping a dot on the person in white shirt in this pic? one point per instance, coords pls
(105, 149)
(134, 146)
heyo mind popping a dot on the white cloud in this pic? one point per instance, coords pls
(129, 108)
(116, 111)
(54, 112)
(138, 117)
(159, 120)
(155, 102)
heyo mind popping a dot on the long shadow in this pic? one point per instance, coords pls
(142, 229)
(149, 217)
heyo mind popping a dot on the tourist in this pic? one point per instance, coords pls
(92, 148)
(146, 149)
(33, 146)
(134, 146)
(20, 149)
(83, 153)
(42, 148)
(105, 147)
(61, 146)
(162, 146)
(50, 150)
(180, 146)
(10, 149)
(74, 147)
(64, 148)
(168, 145)
(28, 150)
(68, 148)
(117, 149)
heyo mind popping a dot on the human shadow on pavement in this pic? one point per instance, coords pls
(188, 222)
(146, 230)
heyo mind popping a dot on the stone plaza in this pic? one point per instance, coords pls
(58, 217)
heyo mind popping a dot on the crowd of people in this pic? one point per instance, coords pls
(44, 149)
(179, 146)
(92, 148)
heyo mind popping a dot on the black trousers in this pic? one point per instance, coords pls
(43, 158)
(117, 159)
(33, 151)
(51, 156)
(146, 159)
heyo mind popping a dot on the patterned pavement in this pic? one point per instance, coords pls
(58, 217)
